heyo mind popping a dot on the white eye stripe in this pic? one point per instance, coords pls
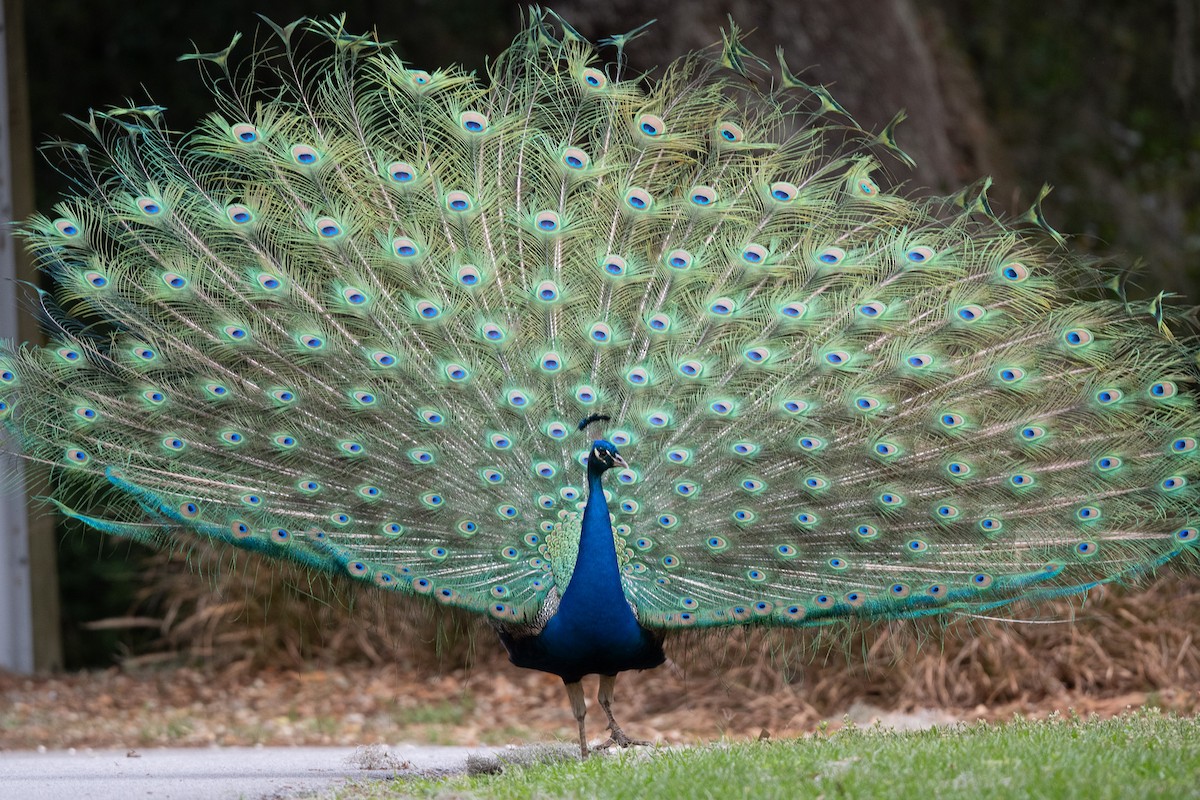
(596, 453)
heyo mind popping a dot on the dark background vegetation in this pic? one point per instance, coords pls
(1097, 97)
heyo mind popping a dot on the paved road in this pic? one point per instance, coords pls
(227, 773)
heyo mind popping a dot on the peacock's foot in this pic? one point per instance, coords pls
(617, 738)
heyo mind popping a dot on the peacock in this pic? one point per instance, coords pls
(598, 357)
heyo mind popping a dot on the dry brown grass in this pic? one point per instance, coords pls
(261, 654)
(1141, 639)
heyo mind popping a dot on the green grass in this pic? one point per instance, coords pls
(1140, 755)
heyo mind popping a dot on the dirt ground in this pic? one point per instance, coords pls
(291, 671)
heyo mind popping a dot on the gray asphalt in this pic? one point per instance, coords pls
(226, 773)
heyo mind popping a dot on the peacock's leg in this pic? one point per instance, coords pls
(579, 709)
(605, 696)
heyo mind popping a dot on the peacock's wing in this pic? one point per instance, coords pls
(353, 320)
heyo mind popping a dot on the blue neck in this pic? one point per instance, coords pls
(596, 582)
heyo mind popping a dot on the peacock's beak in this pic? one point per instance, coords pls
(620, 462)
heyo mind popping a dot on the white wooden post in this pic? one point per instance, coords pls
(16, 605)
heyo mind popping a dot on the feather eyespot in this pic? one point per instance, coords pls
(547, 291)
(95, 279)
(1010, 374)
(722, 408)
(1032, 433)
(651, 125)
(872, 309)
(658, 419)
(468, 275)
(268, 281)
(354, 296)
(400, 172)
(473, 122)
(576, 159)
(919, 255)
(244, 133)
(951, 420)
(149, 206)
(866, 403)
(729, 132)
(1078, 337)
(783, 192)
(638, 199)
(428, 310)
(794, 310)
(837, 358)
(744, 448)
(1173, 483)
(990, 525)
(691, 369)
(304, 155)
(1184, 444)
(831, 256)
(600, 333)
(420, 77)
(459, 202)
(382, 358)
(919, 360)
(660, 323)
(547, 221)
(793, 407)
(1088, 513)
(1014, 272)
(239, 214)
(311, 341)
(66, 227)
(1162, 390)
(174, 280)
(885, 449)
(757, 355)
(593, 78)
(614, 265)
(702, 196)
(970, 313)
(556, 430)
(754, 254)
(722, 306)
(679, 456)
(638, 376)
(586, 395)
(517, 398)
(405, 247)
(457, 372)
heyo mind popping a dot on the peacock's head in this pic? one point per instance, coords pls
(604, 456)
